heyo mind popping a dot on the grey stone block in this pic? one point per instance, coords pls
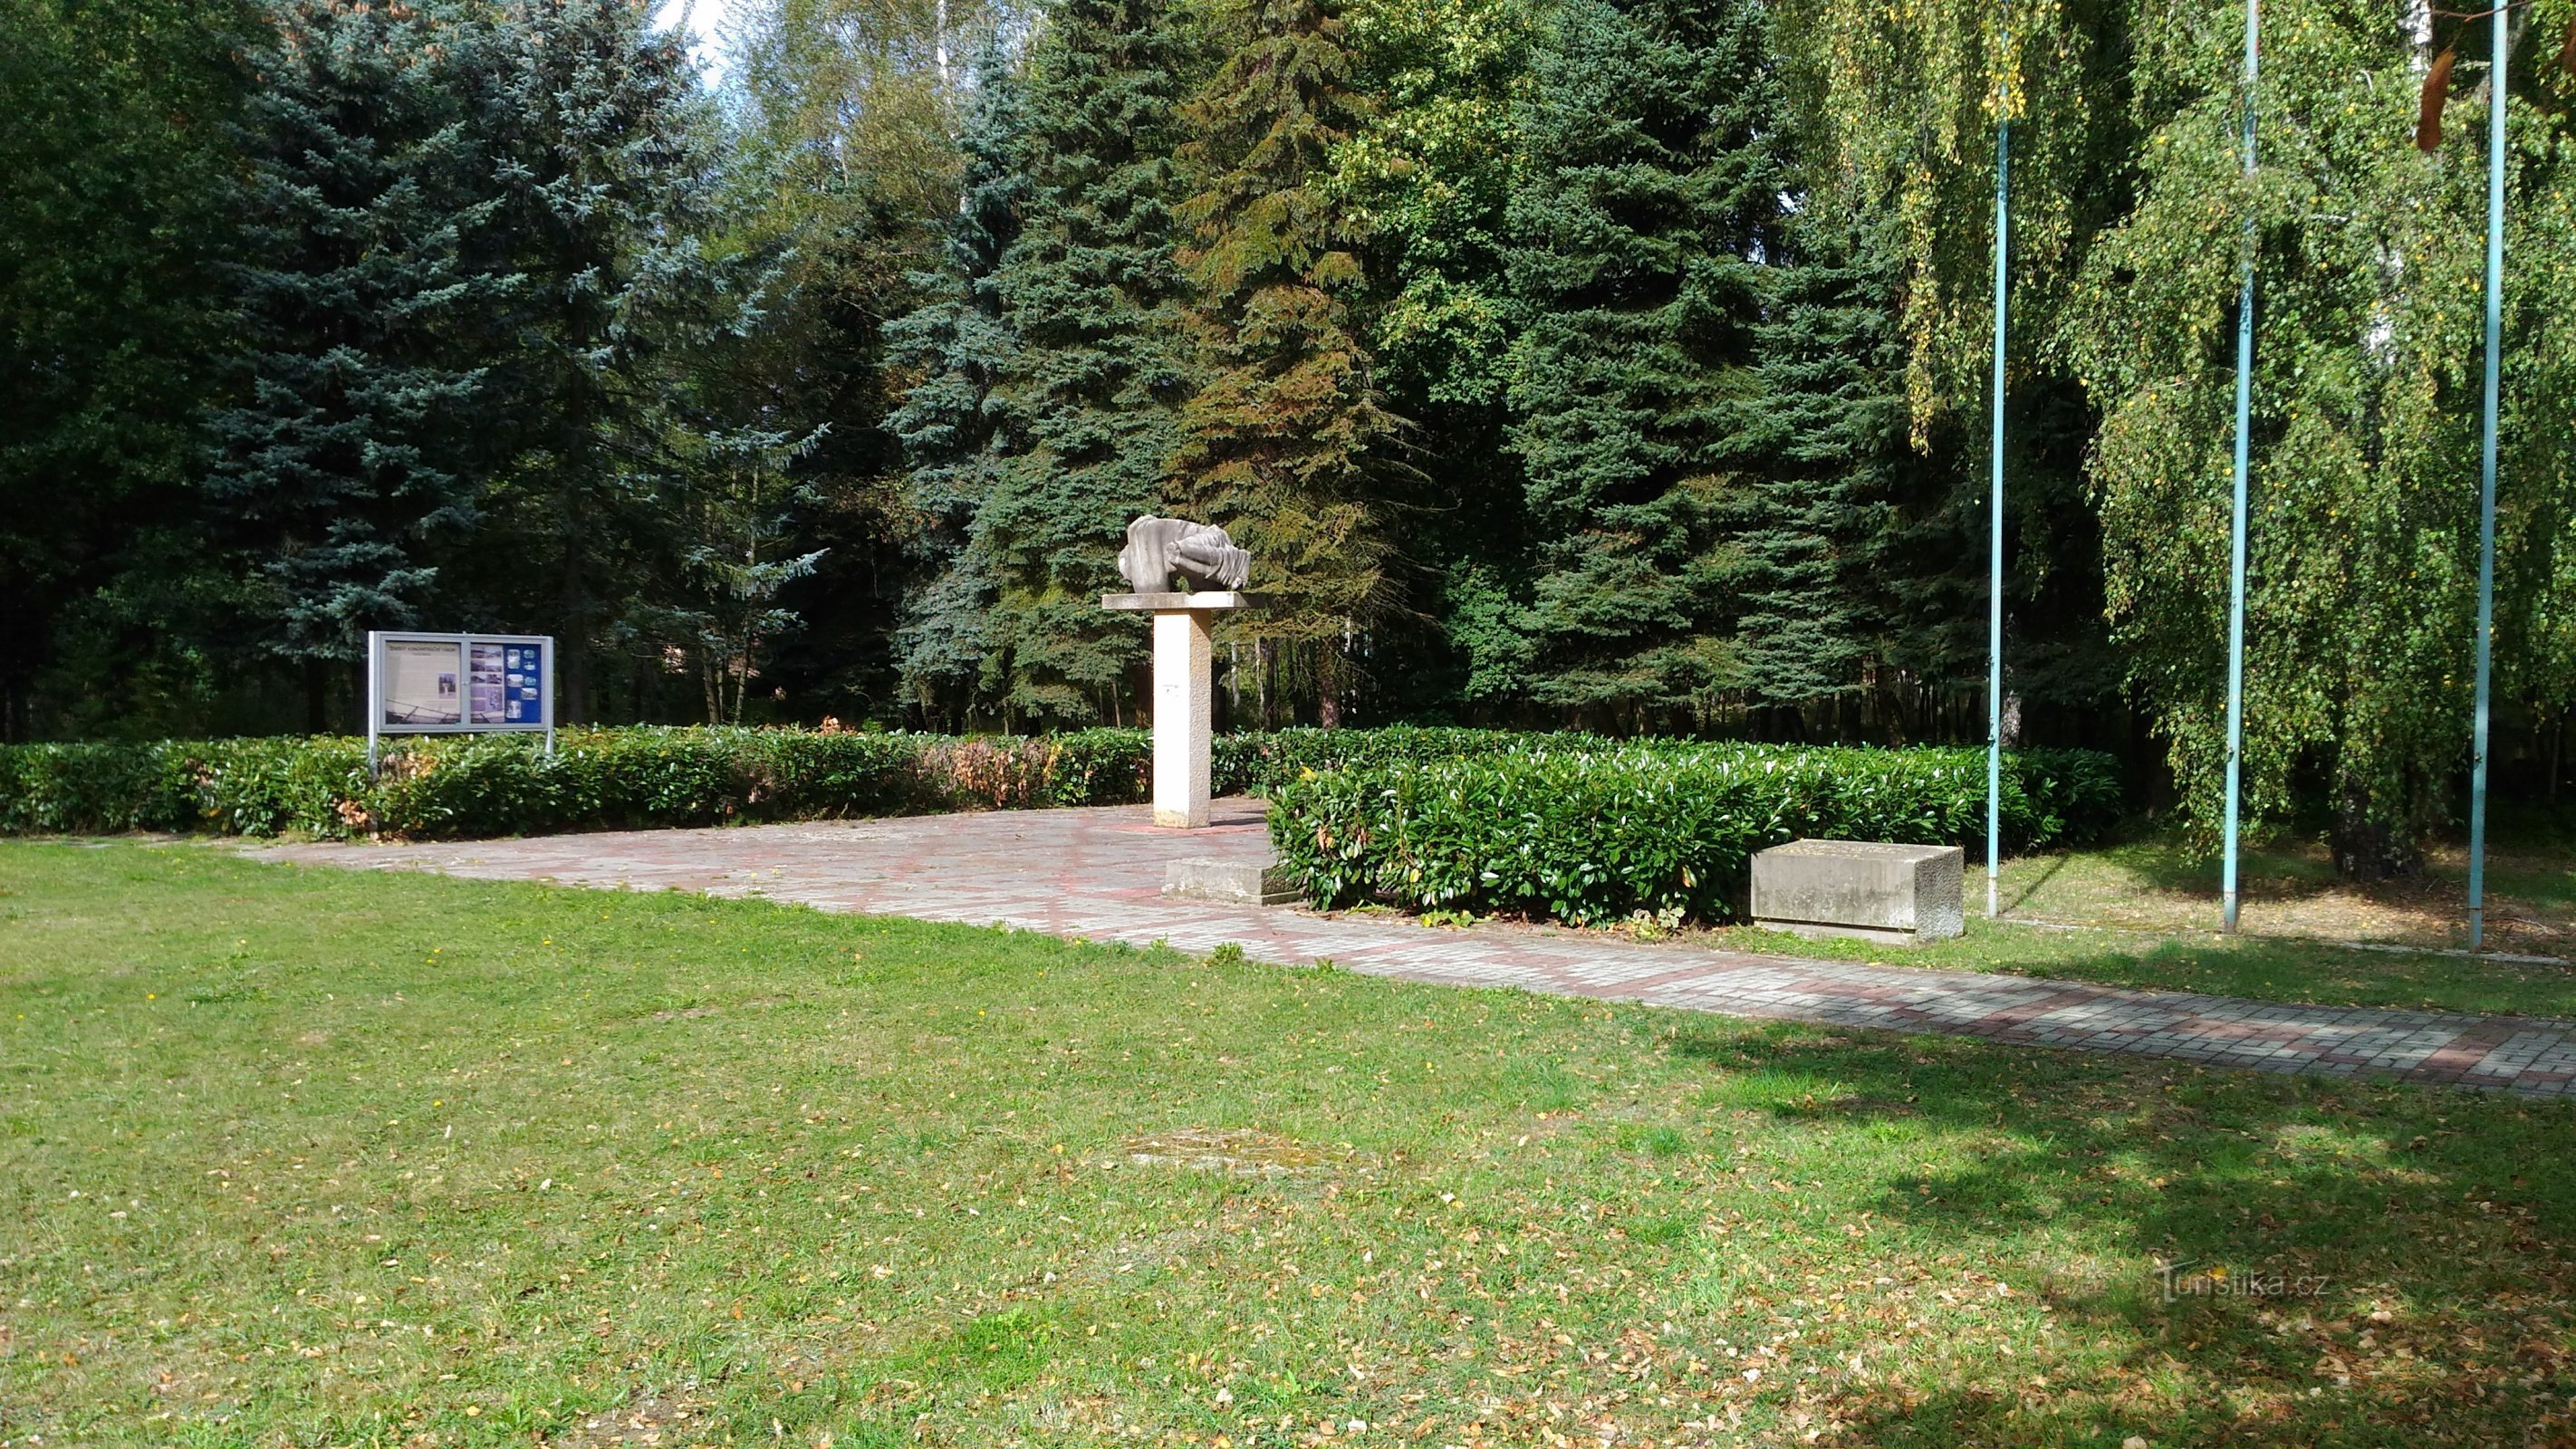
(1898, 894)
(1231, 882)
(1158, 548)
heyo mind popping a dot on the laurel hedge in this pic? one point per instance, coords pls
(1591, 832)
(463, 786)
(430, 787)
(1419, 815)
(1255, 761)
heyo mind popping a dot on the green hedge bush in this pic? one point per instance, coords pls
(433, 786)
(1593, 833)
(430, 787)
(1252, 763)
(488, 785)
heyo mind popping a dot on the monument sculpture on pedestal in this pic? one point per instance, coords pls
(1158, 548)
(1213, 572)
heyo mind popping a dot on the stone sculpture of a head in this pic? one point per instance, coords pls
(1158, 549)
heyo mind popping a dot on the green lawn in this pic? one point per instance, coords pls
(314, 1157)
(2145, 914)
(2290, 890)
(2271, 968)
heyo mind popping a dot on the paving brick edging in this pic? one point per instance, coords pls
(1097, 874)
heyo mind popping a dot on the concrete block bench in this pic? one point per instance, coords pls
(1898, 894)
(1232, 882)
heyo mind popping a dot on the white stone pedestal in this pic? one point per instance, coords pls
(1184, 698)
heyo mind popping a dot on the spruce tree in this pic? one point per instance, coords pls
(1822, 462)
(615, 186)
(1641, 238)
(354, 450)
(847, 111)
(1099, 364)
(951, 421)
(1288, 442)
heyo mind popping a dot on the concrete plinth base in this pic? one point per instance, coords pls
(1233, 882)
(1896, 894)
(1814, 932)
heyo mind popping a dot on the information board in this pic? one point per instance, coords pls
(423, 684)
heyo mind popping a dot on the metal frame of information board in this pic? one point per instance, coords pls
(379, 639)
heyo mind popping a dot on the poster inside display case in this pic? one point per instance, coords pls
(459, 684)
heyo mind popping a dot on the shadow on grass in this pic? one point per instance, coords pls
(2280, 968)
(2542, 827)
(2531, 855)
(2393, 1263)
(2273, 871)
(2032, 886)
(2534, 854)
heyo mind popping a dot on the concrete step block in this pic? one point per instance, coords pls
(1898, 894)
(1230, 882)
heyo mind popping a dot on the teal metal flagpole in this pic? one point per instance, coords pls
(1995, 510)
(2236, 526)
(2499, 28)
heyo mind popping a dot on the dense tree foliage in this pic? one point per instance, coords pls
(1612, 361)
(958, 345)
(351, 452)
(115, 224)
(1644, 234)
(613, 198)
(849, 111)
(1287, 442)
(445, 341)
(2370, 326)
(1430, 171)
(1098, 366)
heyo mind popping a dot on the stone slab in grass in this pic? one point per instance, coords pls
(1898, 894)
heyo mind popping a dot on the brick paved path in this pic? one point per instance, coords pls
(1098, 874)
